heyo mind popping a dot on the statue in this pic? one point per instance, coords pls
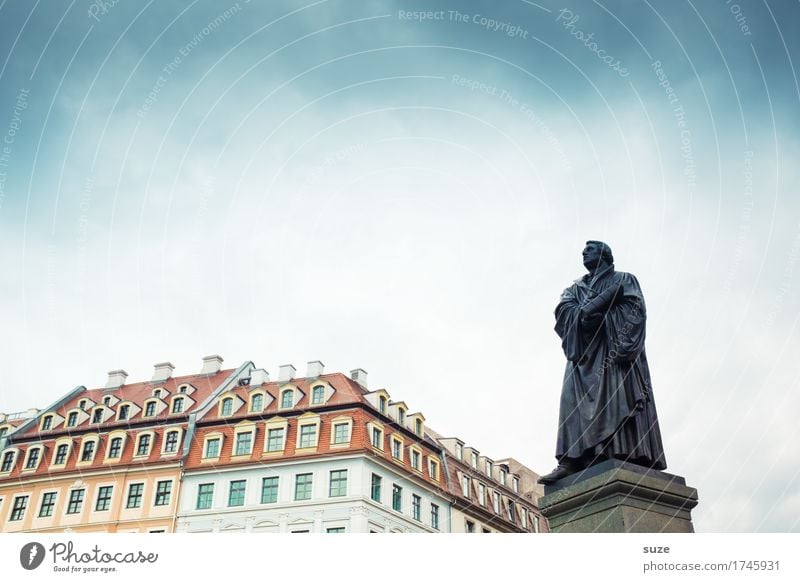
(607, 409)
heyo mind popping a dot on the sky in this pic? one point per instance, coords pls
(406, 187)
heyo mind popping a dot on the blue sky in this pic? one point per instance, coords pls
(352, 182)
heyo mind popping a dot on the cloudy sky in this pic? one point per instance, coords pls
(409, 193)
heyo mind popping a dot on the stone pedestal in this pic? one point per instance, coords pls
(615, 496)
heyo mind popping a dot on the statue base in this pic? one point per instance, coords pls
(618, 497)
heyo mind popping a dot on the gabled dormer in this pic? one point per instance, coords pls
(75, 417)
(454, 446)
(398, 411)
(319, 392)
(258, 400)
(50, 421)
(126, 410)
(416, 422)
(100, 414)
(229, 404)
(288, 396)
(379, 400)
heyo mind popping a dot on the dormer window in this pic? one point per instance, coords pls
(227, 407)
(177, 405)
(33, 458)
(171, 442)
(287, 398)
(459, 452)
(143, 448)
(157, 393)
(97, 415)
(318, 395)
(182, 390)
(256, 403)
(82, 404)
(107, 401)
(502, 477)
(88, 451)
(124, 410)
(418, 427)
(474, 460)
(8, 461)
(62, 451)
(515, 484)
(401, 415)
(150, 409)
(488, 468)
(47, 423)
(72, 419)
(115, 448)
(382, 404)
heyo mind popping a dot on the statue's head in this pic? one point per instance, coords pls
(596, 252)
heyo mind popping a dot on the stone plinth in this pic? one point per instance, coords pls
(615, 496)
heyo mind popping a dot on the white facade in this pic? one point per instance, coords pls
(354, 511)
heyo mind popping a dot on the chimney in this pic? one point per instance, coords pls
(116, 378)
(211, 364)
(286, 373)
(162, 371)
(315, 369)
(359, 375)
(258, 377)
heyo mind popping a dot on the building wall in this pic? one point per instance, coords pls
(117, 518)
(356, 511)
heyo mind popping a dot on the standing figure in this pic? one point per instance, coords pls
(607, 409)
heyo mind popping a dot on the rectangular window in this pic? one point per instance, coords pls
(465, 486)
(123, 411)
(244, 440)
(397, 449)
(502, 478)
(33, 456)
(470, 526)
(72, 419)
(512, 514)
(287, 399)
(335, 530)
(434, 516)
(47, 422)
(163, 492)
(135, 491)
(212, 448)
(236, 493)
(115, 448)
(103, 498)
(433, 469)
(536, 523)
(97, 416)
(8, 461)
(375, 489)
(397, 498)
(496, 502)
(341, 433)
(482, 494)
(318, 395)
(275, 439)
(269, 490)
(338, 486)
(474, 460)
(459, 452)
(308, 436)
(48, 503)
(150, 409)
(302, 486)
(416, 507)
(415, 460)
(18, 510)
(144, 446)
(177, 405)
(524, 517)
(88, 451)
(257, 403)
(515, 484)
(171, 443)
(205, 495)
(377, 438)
(75, 501)
(61, 455)
(227, 407)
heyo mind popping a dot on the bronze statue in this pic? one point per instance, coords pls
(607, 409)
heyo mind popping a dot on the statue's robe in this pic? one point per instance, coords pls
(607, 408)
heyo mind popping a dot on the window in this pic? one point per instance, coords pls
(75, 501)
(144, 446)
(18, 510)
(97, 416)
(433, 469)
(488, 468)
(515, 484)
(375, 489)
(205, 495)
(465, 486)
(474, 460)
(88, 451)
(212, 448)
(382, 404)
(397, 498)
(338, 486)
(341, 433)
(227, 407)
(115, 448)
(236, 493)
(496, 502)
(123, 411)
(287, 398)
(72, 419)
(416, 507)
(302, 486)
(244, 441)
(48, 503)
(135, 491)
(157, 393)
(470, 526)
(61, 454)
(275, 439)
(269, 490)
(536, 523)
(418, 427)
(257, 403)
(103, 498)
(335, 530)
(434, 516)
(171, 442)
(318, 395)
(107, 401)
(33, 458)
(3, 432)
(8, 461)
(182, 390)
(524, 517)
(459, 451)
(150, 409)
(163, 492)
(47, 423)
(512, 514)
(308, 436)
(401, 415)
(502, 477)
(377, 438)
(82, 404)
(416, 460)
(482, 494)
(397, 449)
(177, 405)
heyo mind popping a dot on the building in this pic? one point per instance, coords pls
(234, 451)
